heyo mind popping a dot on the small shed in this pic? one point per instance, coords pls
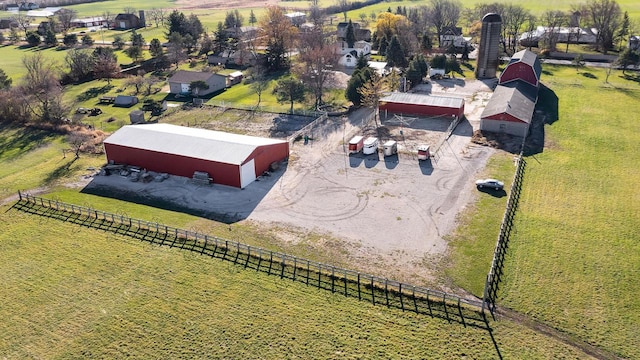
(125, 101)
(422, 105)
(234, 78)
(136, 117)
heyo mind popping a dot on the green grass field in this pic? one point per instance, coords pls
(573, 258)
(70, 291)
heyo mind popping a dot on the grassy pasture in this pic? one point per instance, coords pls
(573, 259)
(70, 291)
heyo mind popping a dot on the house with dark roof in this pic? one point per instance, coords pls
(126, 22)
(242, 32)
(180, 82)
(524, 65)
(361, 34)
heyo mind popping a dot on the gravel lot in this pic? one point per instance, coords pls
(395, 209)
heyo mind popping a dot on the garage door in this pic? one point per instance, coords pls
(247, 174)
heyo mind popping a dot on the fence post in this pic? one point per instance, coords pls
(20, 195)
(401, 302)
(359, 293)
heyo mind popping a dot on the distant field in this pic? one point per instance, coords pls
(69, 291)
(573, 259)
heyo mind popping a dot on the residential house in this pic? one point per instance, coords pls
(572, 35)
(236, 58)
(359, 32)
(180, 82)
(26, 6)
(452, 36)
(234, 78)
(242, 32)
(349, 56)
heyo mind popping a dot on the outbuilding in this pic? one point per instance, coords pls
(524, 65)
(180, 82)
(422, 105)
(510, 109)
(230, 159)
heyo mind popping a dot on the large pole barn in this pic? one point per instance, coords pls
(422, 105)
(230, 159)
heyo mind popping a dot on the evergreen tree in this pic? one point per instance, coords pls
(155, 48)
(5, 81)
(87, 40)
(118, 42)
(413, 73)
(33, 38)
(350, 36)
(395, 54)
(252, 18)
(50, 38)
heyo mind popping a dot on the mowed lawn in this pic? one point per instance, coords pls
(574, 257)
(74, 292)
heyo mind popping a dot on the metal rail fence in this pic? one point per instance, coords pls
(365, 287)
(494, 276)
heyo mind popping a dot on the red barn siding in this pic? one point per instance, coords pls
(505, 117)
(226, 174)
(265, 155)
(520, 71)
(416, 109)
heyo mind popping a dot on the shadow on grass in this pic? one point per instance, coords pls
(493, 192)
(24, 139)
(61, 171)
(588, 75)
(94, 92)
(633, 77)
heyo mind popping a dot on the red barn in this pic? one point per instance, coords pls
(422, 105)
(510, 109)
(524, 65)
(230, 159)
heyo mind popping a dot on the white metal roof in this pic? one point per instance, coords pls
(420, 99)
(195, 143)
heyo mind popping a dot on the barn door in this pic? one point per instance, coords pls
(247, 174)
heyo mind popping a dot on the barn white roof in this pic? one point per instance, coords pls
(421, 99)
(190, 142)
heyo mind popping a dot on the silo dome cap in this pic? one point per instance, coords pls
(492, 17)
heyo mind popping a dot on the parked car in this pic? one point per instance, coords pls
(489, 183)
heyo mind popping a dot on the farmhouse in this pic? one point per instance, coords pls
(510, 109)
(180, 82)
(230, 159)
(524, 65)
(89, 22)
(422, 105)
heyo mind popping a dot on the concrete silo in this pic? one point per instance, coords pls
(489, 46)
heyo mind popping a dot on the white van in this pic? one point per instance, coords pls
(370, 146)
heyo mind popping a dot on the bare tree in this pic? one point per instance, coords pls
(344, 7)
(606, 18)
(259, 82)
(129, 10)
(148, 84)
(317, 59)
(513, 18)
(77, 140)
(81, 64)
(108, 18)
(65, 17)
(553, 20)
(41, 88)
(443, 14)
(157, 15)
(23, 21)
(135, 81)
(106, 67)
